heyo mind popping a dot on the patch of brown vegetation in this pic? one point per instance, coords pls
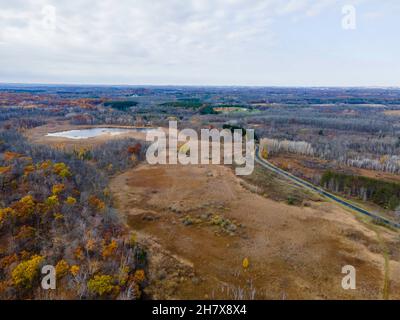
(394, 113)
(294, 252)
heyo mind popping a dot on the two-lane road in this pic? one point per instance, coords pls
(266, 164)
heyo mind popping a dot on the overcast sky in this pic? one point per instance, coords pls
(200, 42)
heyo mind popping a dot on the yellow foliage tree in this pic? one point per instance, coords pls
(26, 232)
(90, 245)
(24, 207)
(123, 275)
(74, 270)
(109, 250)
(44, 165)
(61, 169)
(62, 268)
(245, 263)
(101, 285)
(52, 201)
(96, 203)
(70, 201)
(26, 272)
(5, 215)
(78, 253)
(133, 239)
(58, 216)
(29, 169)
(383, 159)
(8, 155)
(82, 153)
(264, 153)
(139, 276)
(4, 170)
(57, 188)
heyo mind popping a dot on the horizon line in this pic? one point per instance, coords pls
(195, 85)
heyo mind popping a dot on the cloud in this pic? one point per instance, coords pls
(134, 40)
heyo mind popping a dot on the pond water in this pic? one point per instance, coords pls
(95, 132)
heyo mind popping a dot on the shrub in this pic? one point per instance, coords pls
(291, 201)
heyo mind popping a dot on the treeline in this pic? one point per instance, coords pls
(55, 209)
(383, 193)
(33, 113)
(337, 123)
(386, 163)
(121, 105)
(208, 109)
(363, 142)
(183, 103)
(274, 146)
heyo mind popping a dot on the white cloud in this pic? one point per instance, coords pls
(135, 40)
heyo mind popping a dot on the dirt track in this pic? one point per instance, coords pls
(199, 224)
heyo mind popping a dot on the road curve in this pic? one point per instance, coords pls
(266, 164)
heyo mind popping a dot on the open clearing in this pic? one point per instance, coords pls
(39, 135)
(199, 223)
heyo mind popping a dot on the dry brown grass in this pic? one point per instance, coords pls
(294, 252)
(394, 113)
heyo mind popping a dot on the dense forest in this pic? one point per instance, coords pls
(55, 209)
(382, 193)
